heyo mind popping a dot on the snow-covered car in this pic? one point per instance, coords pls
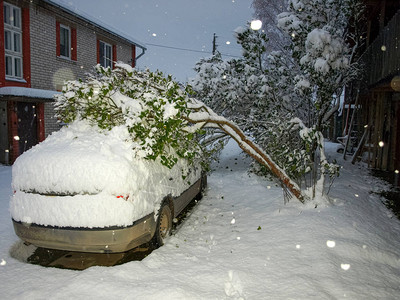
(82, 189)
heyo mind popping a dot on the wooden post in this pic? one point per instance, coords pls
(360, 145)
(351, 125)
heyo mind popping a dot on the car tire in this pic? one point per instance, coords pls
(203, 186)
(164, 224)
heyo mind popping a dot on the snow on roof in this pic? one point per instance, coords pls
(27, 92)
(90, 19)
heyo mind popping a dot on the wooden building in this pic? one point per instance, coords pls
(379, 96)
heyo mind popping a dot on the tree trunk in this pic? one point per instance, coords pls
(205, 116)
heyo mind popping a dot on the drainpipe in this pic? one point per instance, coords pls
(140, 55)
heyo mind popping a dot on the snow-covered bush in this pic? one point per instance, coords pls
(150, 105)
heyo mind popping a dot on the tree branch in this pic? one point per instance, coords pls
(210, 119)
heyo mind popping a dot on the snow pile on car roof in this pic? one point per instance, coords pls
(85, 169)
(77, 159)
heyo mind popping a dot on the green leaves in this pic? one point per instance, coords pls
(150, 105)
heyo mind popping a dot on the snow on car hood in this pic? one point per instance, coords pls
(90, 168)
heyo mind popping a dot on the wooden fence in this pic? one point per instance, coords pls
(382, 57)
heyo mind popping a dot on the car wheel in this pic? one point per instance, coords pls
(164, 224)
(203, 186)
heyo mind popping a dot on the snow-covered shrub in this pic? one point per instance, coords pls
(150, 105)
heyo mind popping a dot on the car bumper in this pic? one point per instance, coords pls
(98, 240)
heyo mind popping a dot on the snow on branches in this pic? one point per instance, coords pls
(259, 98)
(148, 104)
(320, 35)
(264, 92)
(161, 117)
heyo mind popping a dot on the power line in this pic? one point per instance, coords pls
(189, 50)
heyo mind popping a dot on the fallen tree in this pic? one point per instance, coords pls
(204, 116)
(161, 117)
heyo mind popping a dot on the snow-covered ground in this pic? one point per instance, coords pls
(240, 242)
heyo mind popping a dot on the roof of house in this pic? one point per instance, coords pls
(87, 18)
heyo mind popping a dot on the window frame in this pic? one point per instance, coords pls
(69, 39)
(14, 53)
(103, 60)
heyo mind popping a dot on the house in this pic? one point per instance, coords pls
(43, 44)
(379, 95)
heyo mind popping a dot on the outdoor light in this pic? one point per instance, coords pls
(16, 138)
(256, 24)
(381, 144)
(395, 83)
(396, 171)
(383, 48)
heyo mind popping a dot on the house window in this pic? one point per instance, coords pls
(105, 54)
(65, 41)
(13, 41)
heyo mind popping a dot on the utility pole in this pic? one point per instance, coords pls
(214, 44)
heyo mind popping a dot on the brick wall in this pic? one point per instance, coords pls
(124, 53)
(50, 124)
(48, 71)
(43, 68)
